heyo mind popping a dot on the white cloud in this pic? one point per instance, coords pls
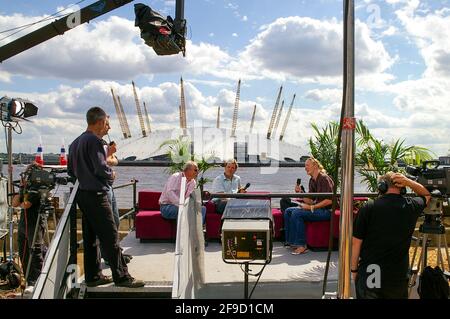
(109, 49)
(430, 33)
(311, 50)
(62, 111)
(327, 95)
(244, 18)
(5, 76)
(389, 31)
(234, 34)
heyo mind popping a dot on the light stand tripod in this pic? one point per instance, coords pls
(431, 225)
(10, 269)
(45, 208)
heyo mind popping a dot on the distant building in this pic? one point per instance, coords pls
(212, 142)
(444, 160)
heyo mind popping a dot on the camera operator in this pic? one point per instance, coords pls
(29, 202)
(382, 234)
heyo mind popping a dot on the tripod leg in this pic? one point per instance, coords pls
(413, 260)
(440, 259)
(423, 253)
(446, 252)
(31, 247)
(414, 272)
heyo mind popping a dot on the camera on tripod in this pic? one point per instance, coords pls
(37, 177)
(436, 180)
(431, 176)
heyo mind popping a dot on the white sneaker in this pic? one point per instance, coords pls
(28, 291)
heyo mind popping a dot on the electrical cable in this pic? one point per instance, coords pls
(258, 274)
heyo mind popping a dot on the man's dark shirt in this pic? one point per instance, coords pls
(322, 184)
(87, 162)
(386, 229)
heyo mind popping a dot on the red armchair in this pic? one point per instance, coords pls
(149, 222)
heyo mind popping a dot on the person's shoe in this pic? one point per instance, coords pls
(131, 283)
(127, 258)
(100, 281)
(28, 290)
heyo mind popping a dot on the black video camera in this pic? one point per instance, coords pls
(36, 177)
(431, 176)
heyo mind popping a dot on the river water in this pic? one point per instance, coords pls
(273, 179)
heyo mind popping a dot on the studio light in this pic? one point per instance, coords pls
(16, 109)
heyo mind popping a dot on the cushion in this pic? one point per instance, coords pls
(151, 225)
(148, 200)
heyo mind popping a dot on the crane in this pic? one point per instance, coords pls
(288, 115)
(274, 113)
(139, 112)
(275, 128)
(169, 37)
(119, 115)
(236, 109)
(125, 122)
(147, 119)
(218, 117)
(183, 125)
(253, 119)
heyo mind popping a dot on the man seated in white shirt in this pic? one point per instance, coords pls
(228, 182)
(170, 196)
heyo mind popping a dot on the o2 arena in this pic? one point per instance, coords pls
(213, 143)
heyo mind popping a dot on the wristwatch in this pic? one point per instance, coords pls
(354, 270)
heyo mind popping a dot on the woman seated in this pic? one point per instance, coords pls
(312, 209)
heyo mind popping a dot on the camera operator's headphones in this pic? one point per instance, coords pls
(384, 182)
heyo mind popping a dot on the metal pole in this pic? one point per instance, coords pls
(345, 244)
(10, 192)
(73, 231)
(246, 281)
(134, 201)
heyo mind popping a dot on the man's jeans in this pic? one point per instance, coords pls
(294, 223)
(169, 211)
(114, 207)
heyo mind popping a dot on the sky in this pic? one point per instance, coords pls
(402, 68)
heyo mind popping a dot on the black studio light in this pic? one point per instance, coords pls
(16, 109)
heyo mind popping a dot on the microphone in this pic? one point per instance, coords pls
(299, 182)
(246, 186)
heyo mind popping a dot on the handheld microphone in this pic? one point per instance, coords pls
(247, 186)
(299, 181)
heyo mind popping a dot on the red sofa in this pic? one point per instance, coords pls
(317, 233)
(149, 223)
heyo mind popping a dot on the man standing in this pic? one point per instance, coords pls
(382, 234)
(228, 182)
(87, 162)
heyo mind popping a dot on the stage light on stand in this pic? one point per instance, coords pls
(16, 109)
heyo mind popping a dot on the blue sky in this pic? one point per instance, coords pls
(402, 81)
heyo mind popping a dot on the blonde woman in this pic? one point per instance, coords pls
(311, 209)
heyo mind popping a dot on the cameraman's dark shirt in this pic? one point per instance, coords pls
(87, 162)
(386, 229)
(32, 196)
(322, 184)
